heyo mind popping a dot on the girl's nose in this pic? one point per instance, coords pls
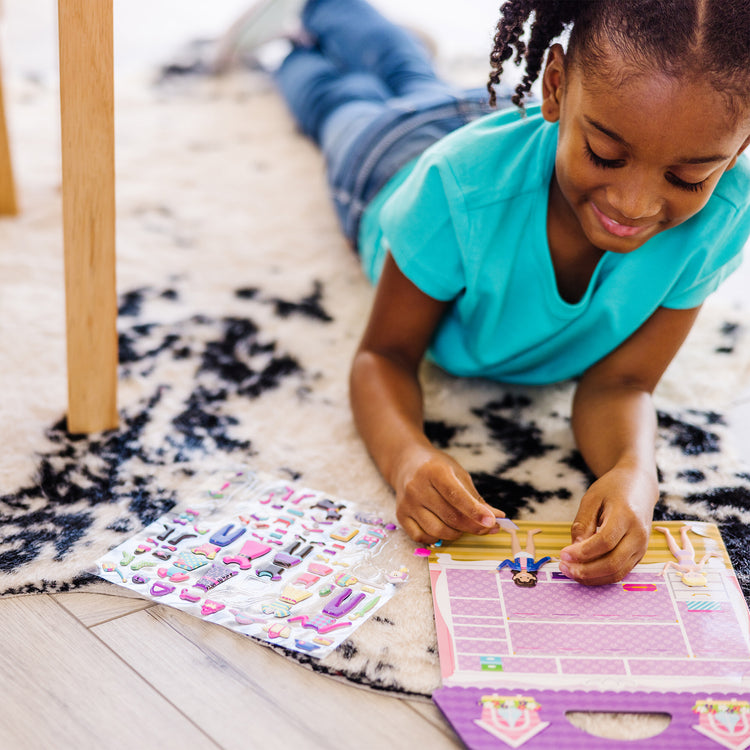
(635, 197)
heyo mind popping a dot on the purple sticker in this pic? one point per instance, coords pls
(159, 588)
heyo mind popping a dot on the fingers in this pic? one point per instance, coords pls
(429, 521)
(608, 568)
(460, 501)
(607, 556)
(428, 529)
(441, 502)
(601, 543)
(586, 520)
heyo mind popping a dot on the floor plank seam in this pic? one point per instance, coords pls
(92, 630)
(258, 686)
(437, 722)
(147, 605)
(119, 617)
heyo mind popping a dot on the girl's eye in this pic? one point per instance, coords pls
(673, 179)
(599, 161)
(693, 187)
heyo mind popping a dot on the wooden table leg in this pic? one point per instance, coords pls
(88, 187)
(8, 204)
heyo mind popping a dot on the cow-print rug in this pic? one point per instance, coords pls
(240, 308)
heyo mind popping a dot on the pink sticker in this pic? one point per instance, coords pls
(208, 550)
(421, 552)
(210, 607)
(306, 580)
(279, 630)
(639, 587)
(244, 619)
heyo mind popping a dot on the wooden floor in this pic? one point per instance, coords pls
(92, 671)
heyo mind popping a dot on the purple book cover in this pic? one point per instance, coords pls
(536, 719)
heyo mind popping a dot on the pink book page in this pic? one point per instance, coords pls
(660, 628)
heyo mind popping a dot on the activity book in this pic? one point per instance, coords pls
(266, 558)
(521, 645)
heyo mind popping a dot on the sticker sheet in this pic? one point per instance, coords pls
(257, 554)
(511, 625)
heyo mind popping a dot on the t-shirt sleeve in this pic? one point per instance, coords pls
(723, 232)
(696, 295)
(422, 223)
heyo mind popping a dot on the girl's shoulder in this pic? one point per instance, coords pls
(497, 131)
(505, 152)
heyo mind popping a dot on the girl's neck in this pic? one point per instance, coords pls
(574, 258)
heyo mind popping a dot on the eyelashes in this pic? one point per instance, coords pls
(672, 179)
(598, 161)
(693, 187)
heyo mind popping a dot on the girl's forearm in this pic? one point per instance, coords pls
(386, 400)
(615, 425)
(614, 422)
(435, 496)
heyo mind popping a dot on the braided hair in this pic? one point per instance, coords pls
(698, 37)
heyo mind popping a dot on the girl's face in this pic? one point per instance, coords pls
(636, 157)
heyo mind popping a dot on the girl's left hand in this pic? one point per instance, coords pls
(611, 530)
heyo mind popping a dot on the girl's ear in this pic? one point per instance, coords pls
(552, 83)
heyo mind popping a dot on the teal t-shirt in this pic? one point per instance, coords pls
(466, 223)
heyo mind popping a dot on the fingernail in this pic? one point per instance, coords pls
(488, 521)
(566, 556)
(565, 570)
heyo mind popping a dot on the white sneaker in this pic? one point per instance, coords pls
(265, 21)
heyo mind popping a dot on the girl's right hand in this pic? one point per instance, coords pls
(436, 498)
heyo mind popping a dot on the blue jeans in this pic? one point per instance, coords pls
(368, 96)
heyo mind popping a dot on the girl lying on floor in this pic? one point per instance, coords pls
(573, 238)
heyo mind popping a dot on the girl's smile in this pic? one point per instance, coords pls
(619, 229)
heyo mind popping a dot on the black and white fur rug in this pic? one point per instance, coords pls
(240, 309)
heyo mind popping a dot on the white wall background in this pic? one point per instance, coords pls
(147, 32)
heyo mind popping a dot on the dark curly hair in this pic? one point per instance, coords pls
(525, 578)
(698, 37)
